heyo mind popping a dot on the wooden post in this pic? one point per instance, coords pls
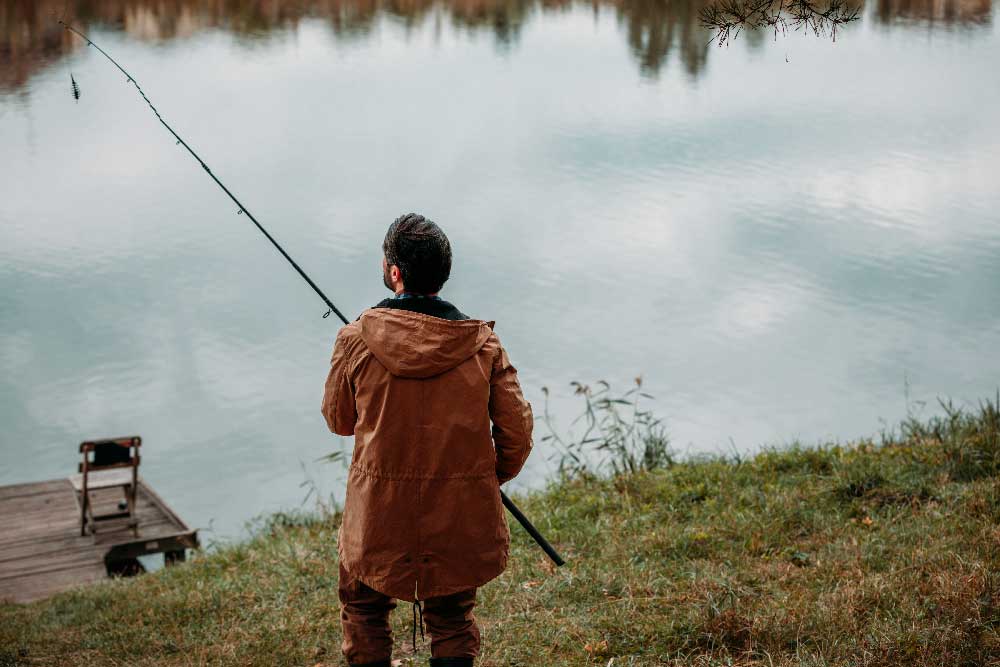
(84, 499)
(135, 487)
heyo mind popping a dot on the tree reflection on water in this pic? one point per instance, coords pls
(30, 37)
(949, 12)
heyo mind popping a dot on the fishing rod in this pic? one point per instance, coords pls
(508, 503)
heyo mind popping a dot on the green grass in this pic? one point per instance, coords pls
(877, 553)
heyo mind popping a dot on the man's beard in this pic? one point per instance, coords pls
(385, 279)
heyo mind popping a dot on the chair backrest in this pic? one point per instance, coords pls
(111, 453)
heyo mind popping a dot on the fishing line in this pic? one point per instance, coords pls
(72, 80)
(508, 503)
(74, 87)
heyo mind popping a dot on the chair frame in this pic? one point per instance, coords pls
(87, 517)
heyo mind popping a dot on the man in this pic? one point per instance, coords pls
(417, 383)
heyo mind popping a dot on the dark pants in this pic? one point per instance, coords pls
(364, 615)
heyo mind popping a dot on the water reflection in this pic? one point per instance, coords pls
(775, 248)
(949, 12)
(656, 27)
(30, 38)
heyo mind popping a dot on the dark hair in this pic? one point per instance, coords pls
(421, 251)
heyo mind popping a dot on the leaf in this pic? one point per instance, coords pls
(597, 648)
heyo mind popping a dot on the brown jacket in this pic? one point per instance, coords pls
(422, 516)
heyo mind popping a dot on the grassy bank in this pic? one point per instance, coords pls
(879, 553)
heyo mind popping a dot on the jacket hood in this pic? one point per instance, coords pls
(414, 345)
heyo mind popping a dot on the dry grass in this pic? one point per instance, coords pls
(878, 553)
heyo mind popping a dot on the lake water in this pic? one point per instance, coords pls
(791, 238)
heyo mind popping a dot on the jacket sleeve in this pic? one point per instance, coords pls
(339, 407)
(511, 416)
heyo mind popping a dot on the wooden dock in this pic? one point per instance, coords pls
(43, 553)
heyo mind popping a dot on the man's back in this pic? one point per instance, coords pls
(423, 516)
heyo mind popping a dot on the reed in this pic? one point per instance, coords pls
(619, 434)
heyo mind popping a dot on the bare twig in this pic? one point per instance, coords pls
(728, 18)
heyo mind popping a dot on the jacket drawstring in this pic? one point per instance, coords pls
(417, 610)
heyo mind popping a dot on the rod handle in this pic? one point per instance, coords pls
(523, 520)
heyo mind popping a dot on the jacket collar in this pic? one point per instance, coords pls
(437, 307)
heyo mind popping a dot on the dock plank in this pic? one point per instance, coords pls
(43, 553)
(31, 488)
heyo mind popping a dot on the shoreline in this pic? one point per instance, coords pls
(881, 551)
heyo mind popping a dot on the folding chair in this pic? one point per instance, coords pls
(107, 464)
